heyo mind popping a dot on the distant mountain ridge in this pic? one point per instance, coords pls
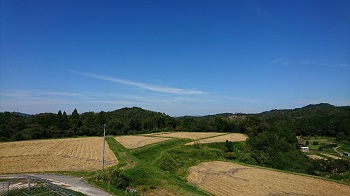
(21, 114)
(319, 119)
(313, 119)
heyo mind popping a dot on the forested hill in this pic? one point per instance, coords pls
(318, 119)
(138, 119)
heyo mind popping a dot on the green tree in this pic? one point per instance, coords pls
(101, 118)
(89, 119)
(59, 119)
(15, 124)
(75, 122)
(64, 124)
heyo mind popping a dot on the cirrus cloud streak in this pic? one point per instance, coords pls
(150, 87)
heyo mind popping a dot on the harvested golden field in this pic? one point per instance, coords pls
(135, 141)
(191, 135)
(73, 154)
(222, 178)
(233, 137)
(156, 134)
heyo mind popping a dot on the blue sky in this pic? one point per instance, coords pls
(177, 57)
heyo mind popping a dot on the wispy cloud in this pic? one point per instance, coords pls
(35, 93)
(280, 61)
(150, 87)
(37, 100)
(274, 61)
(310, 62)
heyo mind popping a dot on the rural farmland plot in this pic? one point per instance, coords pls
(191, 135)
(233, 137)
(77, 154)
(134, 141)
(222, 178)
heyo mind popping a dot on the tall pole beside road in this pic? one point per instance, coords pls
(103, 147)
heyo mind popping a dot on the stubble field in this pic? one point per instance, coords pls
(191, 135)
(72, 154)
(222, 178)
(135, 141)
(233, 137)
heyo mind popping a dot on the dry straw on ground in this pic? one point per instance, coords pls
(134, 141)
(73, 154)
(233, 137)
(156, 134)
(222, 178)
(192, 135)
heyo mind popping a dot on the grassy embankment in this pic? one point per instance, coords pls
(162, 167)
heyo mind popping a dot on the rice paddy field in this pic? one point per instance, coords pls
(223, 178)
(144, 153)
(135, 141)
(233, 137)
(71, 154)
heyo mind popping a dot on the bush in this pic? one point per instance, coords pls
(114, 176)
(167, 163)
(230, 155)
(315, 143)
(320, 148)
(228, 146)
(307, 142)
(332, 145)
(197, 144)
(246, 158)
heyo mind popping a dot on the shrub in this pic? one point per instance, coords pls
(114, 176)
(230, 155)
(228, 146)
(320, 148)
(307, 142)
(197, 144)
(246, 158)
(332, 145)
(315, 143)
(167, 163)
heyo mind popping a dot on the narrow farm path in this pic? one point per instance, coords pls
(336, 150)
(331, 156)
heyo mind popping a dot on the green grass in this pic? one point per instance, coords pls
(164, 166)
(324, 141)
(142, 166)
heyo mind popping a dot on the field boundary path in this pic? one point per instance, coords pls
(69, 182)
(336, 150)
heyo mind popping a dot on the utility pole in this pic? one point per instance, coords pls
(103, 147)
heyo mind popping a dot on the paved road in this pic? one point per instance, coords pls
(76, 184)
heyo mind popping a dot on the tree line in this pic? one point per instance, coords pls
(321, 119)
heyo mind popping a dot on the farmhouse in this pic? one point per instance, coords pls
(304, 149)
(346, 154)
